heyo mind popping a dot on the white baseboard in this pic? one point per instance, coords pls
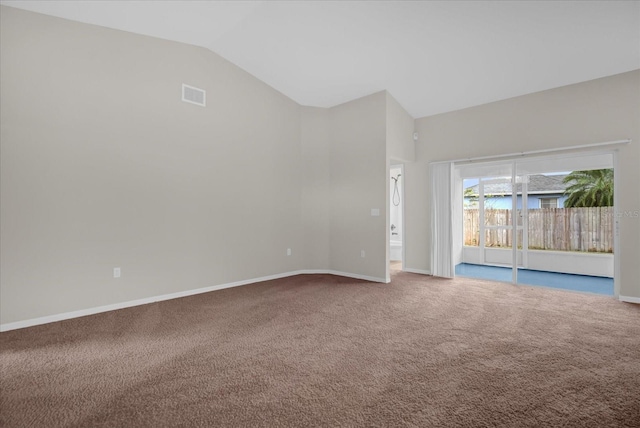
(137, 302)
(313, 271)
(357, 276)
(339, 273)
(420, 271)
(99, 309)
(629, 299)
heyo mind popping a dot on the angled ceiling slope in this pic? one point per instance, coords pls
(432, 56)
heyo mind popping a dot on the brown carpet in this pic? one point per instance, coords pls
(320, 350)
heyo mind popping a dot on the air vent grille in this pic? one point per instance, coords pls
(194, 95)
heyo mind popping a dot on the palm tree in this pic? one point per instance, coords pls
(593, 188)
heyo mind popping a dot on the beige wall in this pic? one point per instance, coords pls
(104, 166)
(400, 149)
(358, 184)
(316, 158)
(400, 128)
(345, 150)
(597, 111)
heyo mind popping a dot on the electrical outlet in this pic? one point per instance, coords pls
(116, 272)
(288, 251)
(362, 253)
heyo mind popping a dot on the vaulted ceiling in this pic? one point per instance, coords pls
(432, 56)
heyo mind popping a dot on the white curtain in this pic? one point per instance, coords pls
(441, 220)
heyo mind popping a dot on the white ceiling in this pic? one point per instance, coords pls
(431, 56)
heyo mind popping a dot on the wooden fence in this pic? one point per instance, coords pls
(560, 229)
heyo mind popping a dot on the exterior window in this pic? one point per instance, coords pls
(548, 202)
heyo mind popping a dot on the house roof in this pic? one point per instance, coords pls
(538, 184)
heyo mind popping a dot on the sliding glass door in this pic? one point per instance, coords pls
(492, 221)
(523, 221)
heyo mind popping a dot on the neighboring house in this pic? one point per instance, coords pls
(543, 191)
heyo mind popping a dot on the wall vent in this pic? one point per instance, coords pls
(194, 95)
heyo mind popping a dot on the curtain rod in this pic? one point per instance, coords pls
(535, 152)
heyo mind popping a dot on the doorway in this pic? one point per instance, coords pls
(522, 224)
(396, 218)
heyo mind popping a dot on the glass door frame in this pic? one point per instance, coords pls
(483, 227)
(617, 251)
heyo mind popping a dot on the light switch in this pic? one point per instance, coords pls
(375, 212)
